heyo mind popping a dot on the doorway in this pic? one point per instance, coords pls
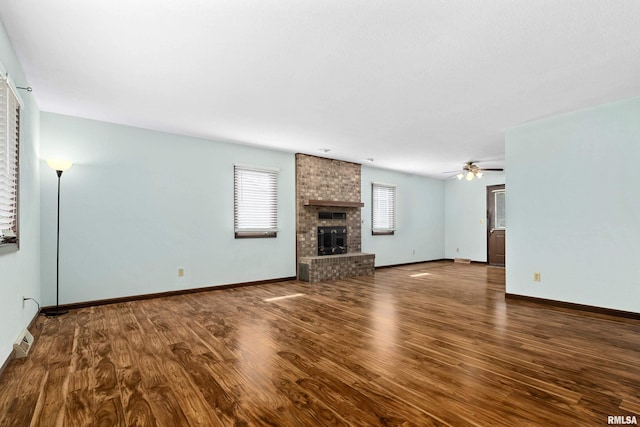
(496, 225)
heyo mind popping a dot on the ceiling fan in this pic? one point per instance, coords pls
(471, 170)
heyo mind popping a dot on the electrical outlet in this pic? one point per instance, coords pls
(180, 272)
(457, 249)
(536, 277)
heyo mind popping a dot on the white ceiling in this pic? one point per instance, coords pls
(420, 86)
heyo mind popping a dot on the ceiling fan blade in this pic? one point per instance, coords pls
(491, 169)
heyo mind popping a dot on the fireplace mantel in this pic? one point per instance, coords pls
(333, 203)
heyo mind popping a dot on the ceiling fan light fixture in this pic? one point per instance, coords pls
(470, 170)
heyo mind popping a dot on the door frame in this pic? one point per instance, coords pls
(490, 190)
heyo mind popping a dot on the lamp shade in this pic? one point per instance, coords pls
(59, 164)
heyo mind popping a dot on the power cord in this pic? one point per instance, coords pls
(37, 324)
(32, 299)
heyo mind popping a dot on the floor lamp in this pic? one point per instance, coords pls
(59, 166)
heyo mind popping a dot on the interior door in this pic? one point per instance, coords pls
(496, 225)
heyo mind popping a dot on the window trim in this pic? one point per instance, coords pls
(383, 231)
(7, 84)
(7, 248)
(257, 232)
(495, 209)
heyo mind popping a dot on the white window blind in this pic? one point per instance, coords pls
(9, 140)
(500, 218)
(255, 201)
(383, 208)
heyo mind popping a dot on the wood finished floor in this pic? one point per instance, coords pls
(442, 348)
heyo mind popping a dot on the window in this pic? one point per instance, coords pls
(9, 145)
(383, 208)
(255, 202)
(500, 218)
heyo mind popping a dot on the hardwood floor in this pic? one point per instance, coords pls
(440, 348)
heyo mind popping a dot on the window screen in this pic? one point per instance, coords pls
(255, 201)
(383, 208)
(9, 143)
(500, 219)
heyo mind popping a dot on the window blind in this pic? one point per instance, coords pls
(499, 210)
(383, 208)
(255, 201)
(9, 140)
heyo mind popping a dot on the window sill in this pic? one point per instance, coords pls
(382, 233)
(6, 248)
(255, 234)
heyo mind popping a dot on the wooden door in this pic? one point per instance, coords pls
(496, 225)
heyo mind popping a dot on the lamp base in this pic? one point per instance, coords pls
(55, 313)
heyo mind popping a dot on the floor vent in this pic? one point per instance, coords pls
(23, 344)
(462, 260)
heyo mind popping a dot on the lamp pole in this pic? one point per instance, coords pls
(59, 167)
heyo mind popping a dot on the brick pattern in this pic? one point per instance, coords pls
(318, 178)
(320, 268)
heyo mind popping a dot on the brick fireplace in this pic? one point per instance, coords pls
(328, 198)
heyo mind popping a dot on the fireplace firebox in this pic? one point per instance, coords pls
(332, 240)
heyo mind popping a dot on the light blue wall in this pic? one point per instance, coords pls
(465, 216)
(420, 218)
(20, 271)
(574, 207)
(138, 204)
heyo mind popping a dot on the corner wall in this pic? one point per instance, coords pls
(20, 271)
(466, 216)
(573, 207)
(419, 214)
